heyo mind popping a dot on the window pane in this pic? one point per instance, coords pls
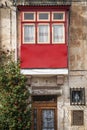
(29, 33)
(43, 36)
(57, 16)
(48, 119)
(58, 34)
(28, 16)
(43, 16)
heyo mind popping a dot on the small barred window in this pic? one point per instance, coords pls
(77, 117)
(77, 96)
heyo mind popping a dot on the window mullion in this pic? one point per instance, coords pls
(50, 27)
(36, 31)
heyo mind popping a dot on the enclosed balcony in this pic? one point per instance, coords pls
(43, 36)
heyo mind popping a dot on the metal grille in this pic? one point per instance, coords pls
(77, 117)
(77, 96)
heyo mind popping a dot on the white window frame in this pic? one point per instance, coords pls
(63, 33)
(29, 19)
(23, 34)
(43, 13)
(48, 42)
(58, 19)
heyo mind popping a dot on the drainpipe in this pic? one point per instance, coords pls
(16, 28)
(0, 27)
(16, 45)
(16, 32)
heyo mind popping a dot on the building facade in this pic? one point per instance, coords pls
(50, 39)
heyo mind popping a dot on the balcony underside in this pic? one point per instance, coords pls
(44, 71)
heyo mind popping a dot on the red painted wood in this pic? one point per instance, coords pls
(40, 8)
(36, 22)
(44, 56)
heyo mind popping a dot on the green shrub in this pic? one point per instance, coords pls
(15, 106)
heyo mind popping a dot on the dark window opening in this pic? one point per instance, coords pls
(44, 98)
(77, 96)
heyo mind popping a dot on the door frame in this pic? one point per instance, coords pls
(39, 106)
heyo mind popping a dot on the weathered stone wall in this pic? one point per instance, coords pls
(78, 36)
(77, 67)
(77, 79)
(8, 31)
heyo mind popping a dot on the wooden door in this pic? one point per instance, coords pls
(44, 115)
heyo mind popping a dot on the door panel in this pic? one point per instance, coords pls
(48, 119)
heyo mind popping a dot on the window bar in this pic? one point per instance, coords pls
(83, 97)
(70, 96)
(82, 101)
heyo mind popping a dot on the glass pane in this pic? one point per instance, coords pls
(28, 16)
(43, 16)
(43, 36)
(58, 16)
(29, 34)
(58, 34)
(76, 96)
(48, 120)
(35, 119)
